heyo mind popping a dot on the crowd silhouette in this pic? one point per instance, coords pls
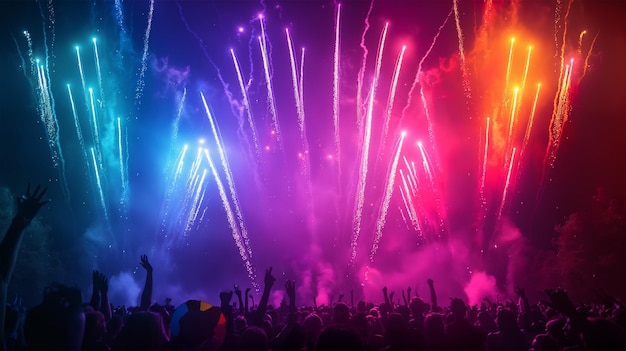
(62, 321)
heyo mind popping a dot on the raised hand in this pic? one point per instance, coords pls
(269, 278)
(225, 297)
(29, 204)
(237, 291)
(290, 288)
(408, 292)
(430, 282)
(146, 264)
(560, 301)
(101, 283)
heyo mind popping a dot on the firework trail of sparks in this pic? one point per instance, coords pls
(360, 199)
(239, 241)
(464, 70)
(179, 113)
(79, 132)
(99, 185)
(98, 70)
(51, 123)
(484, 167)
(360, 78)
(268, 81)
(418, 74)
(82, 78)
(123, 170)
(144, 57)
(392, 97)
(229, 177)
(380, 223)
(296, 88)
(336, 58)
(96, 134)
(586, 64)
(507, 185)
(246, 103)
(531, 120)
(196, 201)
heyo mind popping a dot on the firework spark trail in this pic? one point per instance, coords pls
(82, 77)
(360, 105)
(379, 63)
(144, 57)
(531, 120)
(360, 198)
(508, 68)
(336, 58)
(559, 116)
(586, 64)
(435, 188)
(179, 113)
(232, 221)
(203, 47)
(301, 82)
(270, 91)
(123, 169)
(52, 20)
(530, 48)
(195, 203)
(49, 118)
(296, 89)
(580, 42)
(410, 208)
(98, 70)
(419, 72)
(31, 59)
(484, 166)
(229, 177)
(119, 17)
(170, 190)
(99, 184)
(96, 134)
(464, 70)
(412, 177)
(391, 98)
(380, 223)
(79, 132)
(426, 164)
(507, 184)
(509, 139)
(246, 103)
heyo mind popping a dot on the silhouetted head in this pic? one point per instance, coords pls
(341, 313)
(458, 308)
(417, 306)
(58, 323)
(338, 338)
(253, 338)
(506, 321)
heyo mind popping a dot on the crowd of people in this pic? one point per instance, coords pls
(62, 321)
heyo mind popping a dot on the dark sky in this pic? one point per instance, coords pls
(289, 220)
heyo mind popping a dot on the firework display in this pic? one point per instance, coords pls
(334, 164)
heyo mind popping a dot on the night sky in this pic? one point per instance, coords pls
(298, 196)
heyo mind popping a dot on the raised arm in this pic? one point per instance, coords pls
(290, 288)
(247, 309)
(27, 207)
(525, 306)
(105, 306)
(146, 295)
(267, 287)
(433, 294)
(240, 299)
(94, 302)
